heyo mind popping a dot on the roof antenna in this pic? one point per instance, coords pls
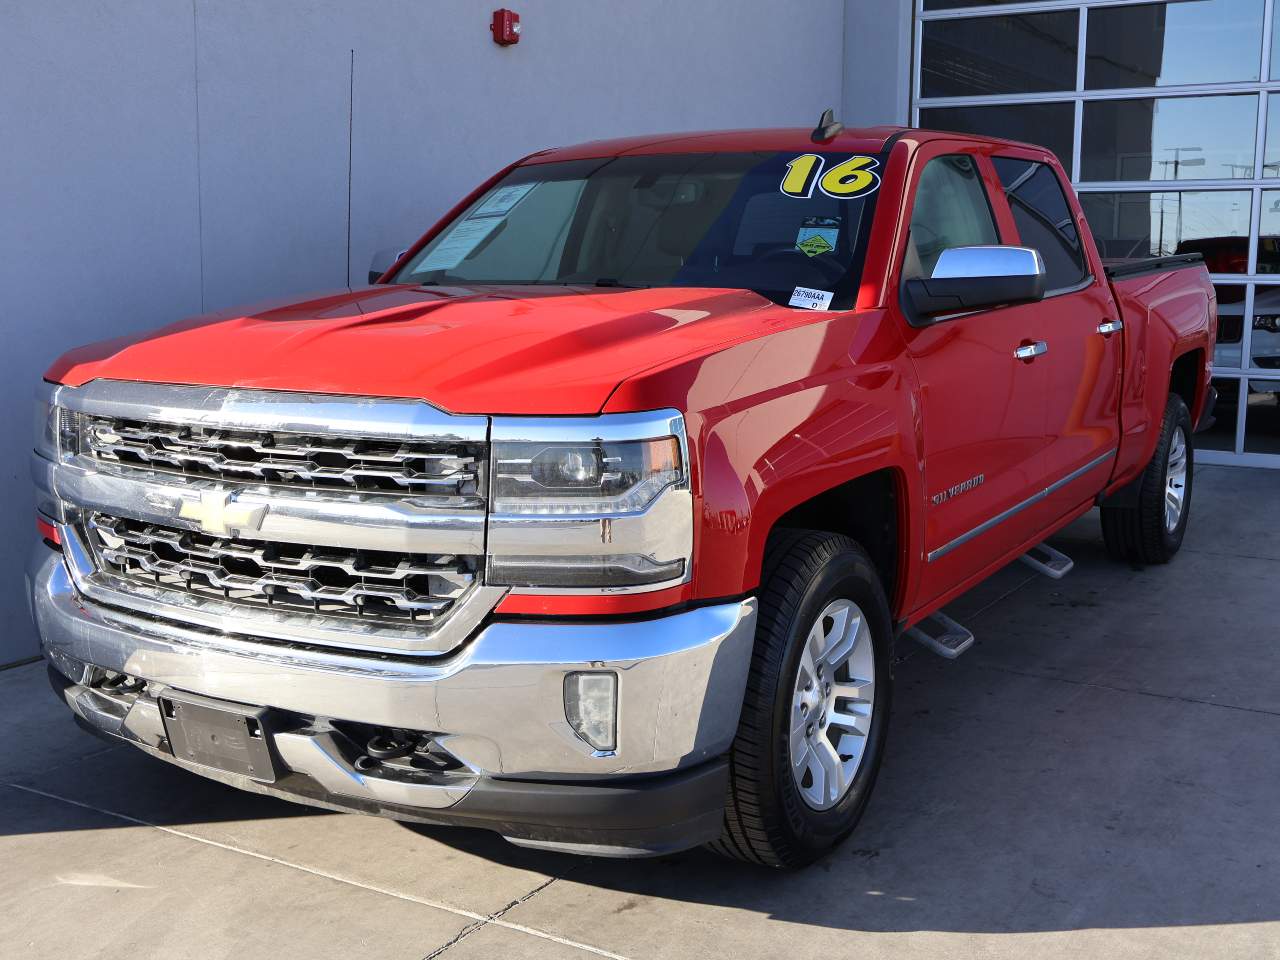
(828, 127)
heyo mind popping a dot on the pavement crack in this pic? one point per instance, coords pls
(480, 924)
(461, 935)
(1118, 689)
(479, 918)
(1229, 555)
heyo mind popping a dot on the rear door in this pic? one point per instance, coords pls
(1080, 327)
(982, 410)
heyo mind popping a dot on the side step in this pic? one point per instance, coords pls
(942, 635)
(1042, 558)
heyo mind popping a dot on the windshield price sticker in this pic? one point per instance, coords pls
(855, 177)
(811, 299)
(458, 244)
(465, 236)
(502, 201)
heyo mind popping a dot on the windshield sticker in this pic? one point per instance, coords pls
(818, 235)
(463, 238)
(502, 201)
(855, 177)
(811, 299)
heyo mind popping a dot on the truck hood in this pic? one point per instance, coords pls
(518, 350)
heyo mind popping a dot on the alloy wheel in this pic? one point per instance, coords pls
(832, 704)
(1175, 480)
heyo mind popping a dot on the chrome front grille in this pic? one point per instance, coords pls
(360, 584)
(354, 523)
(414, 467)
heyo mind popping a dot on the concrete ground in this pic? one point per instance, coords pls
(1098, 777)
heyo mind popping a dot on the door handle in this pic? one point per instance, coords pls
(1108, 327)
(1029, 351)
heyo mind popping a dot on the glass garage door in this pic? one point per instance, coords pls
(1167, 117)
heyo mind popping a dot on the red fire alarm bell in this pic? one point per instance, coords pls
(505, 27)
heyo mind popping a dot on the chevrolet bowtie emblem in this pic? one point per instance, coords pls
(218, 512)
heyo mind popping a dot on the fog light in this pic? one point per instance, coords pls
(591, 707)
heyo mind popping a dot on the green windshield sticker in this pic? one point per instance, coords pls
(815, 244)
(818, 235)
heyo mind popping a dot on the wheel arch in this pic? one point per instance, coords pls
(870, 509)
(1185, 379)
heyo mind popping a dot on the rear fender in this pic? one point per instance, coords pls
(1166, 317)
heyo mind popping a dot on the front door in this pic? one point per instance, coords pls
(982, 409)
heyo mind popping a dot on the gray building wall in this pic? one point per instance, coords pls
(163, 159)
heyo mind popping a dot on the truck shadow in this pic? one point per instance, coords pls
(1062, 775)
(1111, 769)
(982, 827)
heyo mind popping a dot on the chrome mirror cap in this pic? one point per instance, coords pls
(988, 261)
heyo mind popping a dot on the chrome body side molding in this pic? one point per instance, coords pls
(1019, 507)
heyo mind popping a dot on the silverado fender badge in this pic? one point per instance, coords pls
(218, 513)
(938, 499)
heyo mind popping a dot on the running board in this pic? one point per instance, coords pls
(1044, 559)
(942, 635)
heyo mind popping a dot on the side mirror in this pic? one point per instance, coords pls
(383, 261)
(972, 278)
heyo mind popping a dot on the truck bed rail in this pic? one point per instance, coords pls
(1123, 269)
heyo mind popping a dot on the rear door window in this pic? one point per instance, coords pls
(1044, 221)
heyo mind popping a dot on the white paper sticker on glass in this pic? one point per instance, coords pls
(811, 299)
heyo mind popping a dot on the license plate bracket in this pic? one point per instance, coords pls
(232, 737)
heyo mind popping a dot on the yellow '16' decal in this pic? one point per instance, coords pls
(846, 180)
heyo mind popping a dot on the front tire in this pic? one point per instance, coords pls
(813, 726)
(1150, 529)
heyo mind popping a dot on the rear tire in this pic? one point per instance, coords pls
(813, 726)
(1150, 529)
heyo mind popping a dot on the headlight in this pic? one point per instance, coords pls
(54, 425)
(621, 477)
(592, 503)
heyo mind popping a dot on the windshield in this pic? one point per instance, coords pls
(775, 223)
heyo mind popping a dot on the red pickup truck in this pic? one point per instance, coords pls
(595, 519)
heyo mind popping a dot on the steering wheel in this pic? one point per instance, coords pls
(831, 270)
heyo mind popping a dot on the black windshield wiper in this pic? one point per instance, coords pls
(615, 282)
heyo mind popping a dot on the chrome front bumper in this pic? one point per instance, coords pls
(496, 704)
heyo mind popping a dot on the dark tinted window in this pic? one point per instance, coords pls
(1265, 339)
(1213, 223)
(991, 55)
(1262, 416)
(1043, 217)
(951, 210)
(1232, 300)
(1163, 44)
(963, 4)
(1047, 125)
(1269, 233)
(1173, 138)
(1221, 434)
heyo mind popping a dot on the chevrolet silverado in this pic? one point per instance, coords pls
(594, 518)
